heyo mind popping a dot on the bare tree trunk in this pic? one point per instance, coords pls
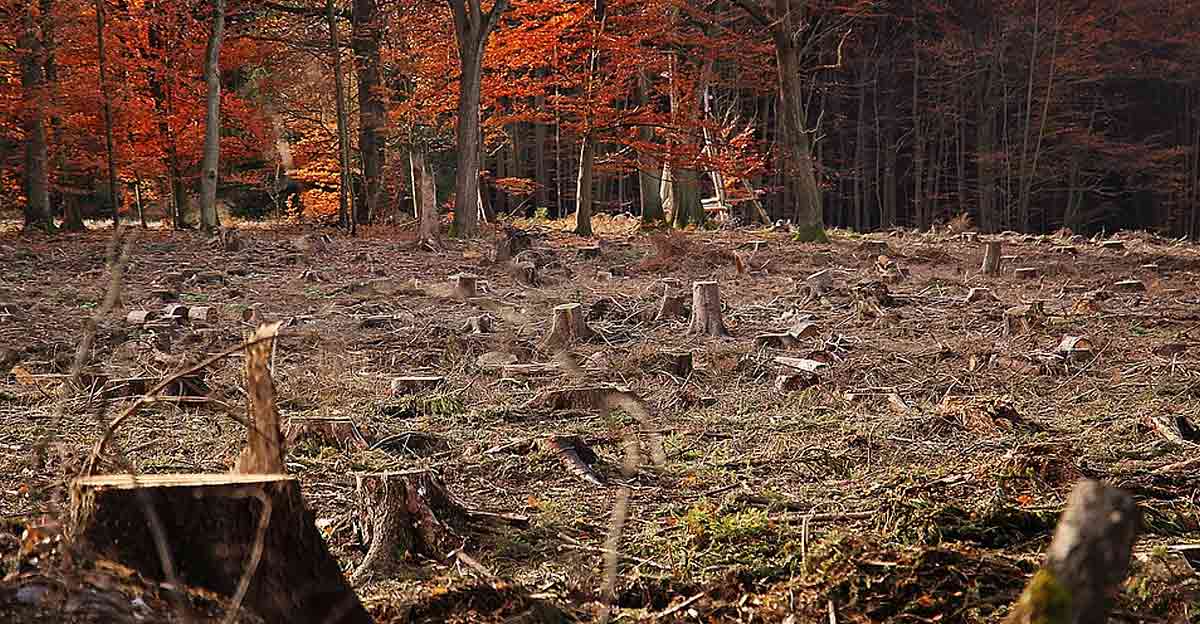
(424, 195)
(583, 188)
(37, 190)
(345, 179)
(801, 177)
(212, 120)
(372, 110)
(541, 196)
(108, 123)
(649, 186)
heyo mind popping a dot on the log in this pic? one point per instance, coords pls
(1131, 285)
(568, 326)
(465, 285)
(202, 314)
(803, 329)
(1026, 273)
(175, 311)
(1075, 348)
(414, 384)
(1113, 244)
(706, 310)
(141, 317)
(264, 449)
(481, 324)
(215, 529)
(991, 258)
(1087, 559)
(575, 455)
(403, 513)
(335, 432)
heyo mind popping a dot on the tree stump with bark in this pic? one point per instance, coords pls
(706, 310)
(1086, 561)
(228, 534)
(400, 513)
(465, 285)
(264, 449)
(568, 326)
(671, 305)
(991, 258)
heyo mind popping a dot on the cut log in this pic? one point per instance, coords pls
(1129, 286)
(334, 432)
(175, 311)
(1086, 562)
(1112, 244)
(1151, 267)
(216, 529)
(991, 258)
(141, 317)
(575, 455)
(465, 285)
(202, 314)
(976, 295)
(1026, 273)
(264, 450)
(399, 514)
(568, 326)
(706, 310)
(415, 384)
(481, 324)
(1022, 318)
(776, 341)
(1075, 348)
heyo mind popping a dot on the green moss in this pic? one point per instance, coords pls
(1045, 601)
(810, 234)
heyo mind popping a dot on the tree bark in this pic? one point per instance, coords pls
(991, 258)
(212, 119)
(424, 196)
(36, 174)
(800, 176)
(264, 450)
(372, 110)
(583, 188)
(706, 310)
(649, 184)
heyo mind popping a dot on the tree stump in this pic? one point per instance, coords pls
(525, 273)
(568, 326)
(335, 432)
(400, 513)
(991, 258)
(976, 295)
(465, 285)
(264, 450)
(481, 324)
(706, 310)
(671, 305)
(679, 363)
(1026, 273)
(414, 384)
(211, 527)
(1086, 561)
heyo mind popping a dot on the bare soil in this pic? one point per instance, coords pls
(917, 478)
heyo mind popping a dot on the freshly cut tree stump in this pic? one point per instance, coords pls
(671, 305)
(1087, 559)
(334, 432)
(706, 310)
(404, 512)
(568, 326)
(991, 258)
(211, 525)
(465, 285)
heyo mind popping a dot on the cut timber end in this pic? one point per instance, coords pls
(1129, 286)
(991, 258)
(210, 525)
(202, 314)
(1075, 348)
(1026, 273)
(175, 311)
(568, 326)
(1087, 559)
(464, 285)
(706, 310)
(415, 384)
(401, 513)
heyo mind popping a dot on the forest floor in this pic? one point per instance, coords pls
(916, 478)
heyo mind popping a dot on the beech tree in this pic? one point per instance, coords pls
(212, 118)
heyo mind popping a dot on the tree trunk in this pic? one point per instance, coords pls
(108, 122)
(212, 119)
(466, 178)
(541, 196)
(801, 178)
(685, 195)
(345, 179)
(372, 110)
(36, 179)
(424, 196)
(583, 187)
(249, 536)
(649, 184)
(1086, 562)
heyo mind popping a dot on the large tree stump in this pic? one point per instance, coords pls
(212, 527)
(706, 310)
(991, 258)
(568, 325)
(400, 513)
(464, 285)
(1088, 558)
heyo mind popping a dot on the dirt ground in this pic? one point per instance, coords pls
(916, 478)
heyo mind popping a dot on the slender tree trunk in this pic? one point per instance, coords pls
(345, 175)
(801, 178)
(583, 188)
(212, 120)
(57, 159)
(108, 121)
(137, 201)
(541, 196)
(372, 109)
(161, 92)
(36, 178)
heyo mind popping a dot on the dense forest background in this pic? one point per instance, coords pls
(1023, 114)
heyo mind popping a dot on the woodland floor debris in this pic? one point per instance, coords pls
(934, 495)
